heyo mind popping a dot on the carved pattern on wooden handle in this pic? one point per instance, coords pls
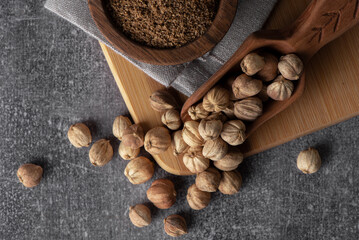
(334, 16)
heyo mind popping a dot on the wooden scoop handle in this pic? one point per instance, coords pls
(322, 22)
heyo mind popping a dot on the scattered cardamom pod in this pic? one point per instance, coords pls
(30, 174)
(79, 135)
(101, 152)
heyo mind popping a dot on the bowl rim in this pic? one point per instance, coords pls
(171, 56)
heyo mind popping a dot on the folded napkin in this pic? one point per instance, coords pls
(187, 77)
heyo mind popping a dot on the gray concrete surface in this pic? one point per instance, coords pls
(52, 75)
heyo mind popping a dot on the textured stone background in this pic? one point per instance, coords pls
(52, 75)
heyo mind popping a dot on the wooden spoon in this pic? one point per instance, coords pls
(322, 22)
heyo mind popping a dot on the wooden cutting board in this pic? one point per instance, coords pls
(331, 95)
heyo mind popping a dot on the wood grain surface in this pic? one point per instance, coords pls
(331, 94)
(226, 12)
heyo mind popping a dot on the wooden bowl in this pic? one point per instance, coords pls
(226, 12)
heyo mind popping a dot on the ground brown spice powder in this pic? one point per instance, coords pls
(163, 23)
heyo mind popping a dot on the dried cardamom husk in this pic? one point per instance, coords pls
(252, 64)
(139, 170)
(162, 193)
(245, 86)
(175, 225)
(128, 153)
(216, 100)
(133, 136)
(196, 198)
(281, 89)
(208, 181)
(234, 132)
(309, 161)
(215, 149)
(291, 67)
(30, 174)
(230, 183)
(194, 160)
(270, 69)
(140, 215)
(210, 129)
(79, 135)
(248, 109)
(229, 111)
(101, 152)
(197, 112)
(119, 125)
(157, 140)
(162, 101)
(217, 116)
(178, 144)
(230, 161)
(191, 134)
(171, 118)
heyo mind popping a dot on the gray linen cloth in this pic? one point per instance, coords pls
(187, 77)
